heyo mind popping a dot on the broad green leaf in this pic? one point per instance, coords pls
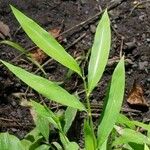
(123, 120)
(8, 141)
(100, 52)
(112, 102)
(43, 125)
(45, 41)
(146, 147)
(88, 137)
(129, 135)
(45, 87)
(14, 45)
(43, 147)
(70, 115)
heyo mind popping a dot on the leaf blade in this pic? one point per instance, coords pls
(45, 87)
(113, 105)
(7, 141)
(45, 41)
(100, 52)
(70, 114)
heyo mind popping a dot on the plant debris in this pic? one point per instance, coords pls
(136, 98)
(4, 31)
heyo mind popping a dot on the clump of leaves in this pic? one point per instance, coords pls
(121, 129)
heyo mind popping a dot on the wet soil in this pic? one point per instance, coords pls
(130, 34)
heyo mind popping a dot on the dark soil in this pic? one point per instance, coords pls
(130, 23)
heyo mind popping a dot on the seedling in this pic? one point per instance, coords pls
(110, 117)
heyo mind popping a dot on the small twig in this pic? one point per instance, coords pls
(6, 119)
(76, 41)
(121, 47)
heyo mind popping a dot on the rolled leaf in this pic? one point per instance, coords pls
(45, 87)
(113, 102)
(45, 41)
(100, 52)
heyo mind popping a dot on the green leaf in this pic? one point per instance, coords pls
(88, 137)
(43, 125)
(33, 135)
(100, 52)
(129, 135)
(146, 147)
(45, 41)
(45, 87)
(104, 146)
(70, 114)
(123, 120)
(112, 102)
(57, 145)
(21, 49)
(72, 146)
(26, 144)
(43, 112)
(8, 141)
(142, 125)
(14, 45)
(43, 147)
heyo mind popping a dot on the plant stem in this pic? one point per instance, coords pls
(87, 98)
(89, 109)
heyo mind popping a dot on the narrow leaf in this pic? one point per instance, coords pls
(70, 114)
(45, 41)
(113, 103)
(45, 87)
(8, 141)
(129, 135)
(123, 120)
(100, 52)
(21, 49)
(14, 45)
(88, 135)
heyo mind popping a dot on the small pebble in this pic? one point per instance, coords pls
(143, 65)
(134, 65)
(130, 45)
(93, 28)
(148, 40)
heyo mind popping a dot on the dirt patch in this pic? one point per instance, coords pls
(130, 32)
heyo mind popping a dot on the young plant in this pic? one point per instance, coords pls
(94, 140)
